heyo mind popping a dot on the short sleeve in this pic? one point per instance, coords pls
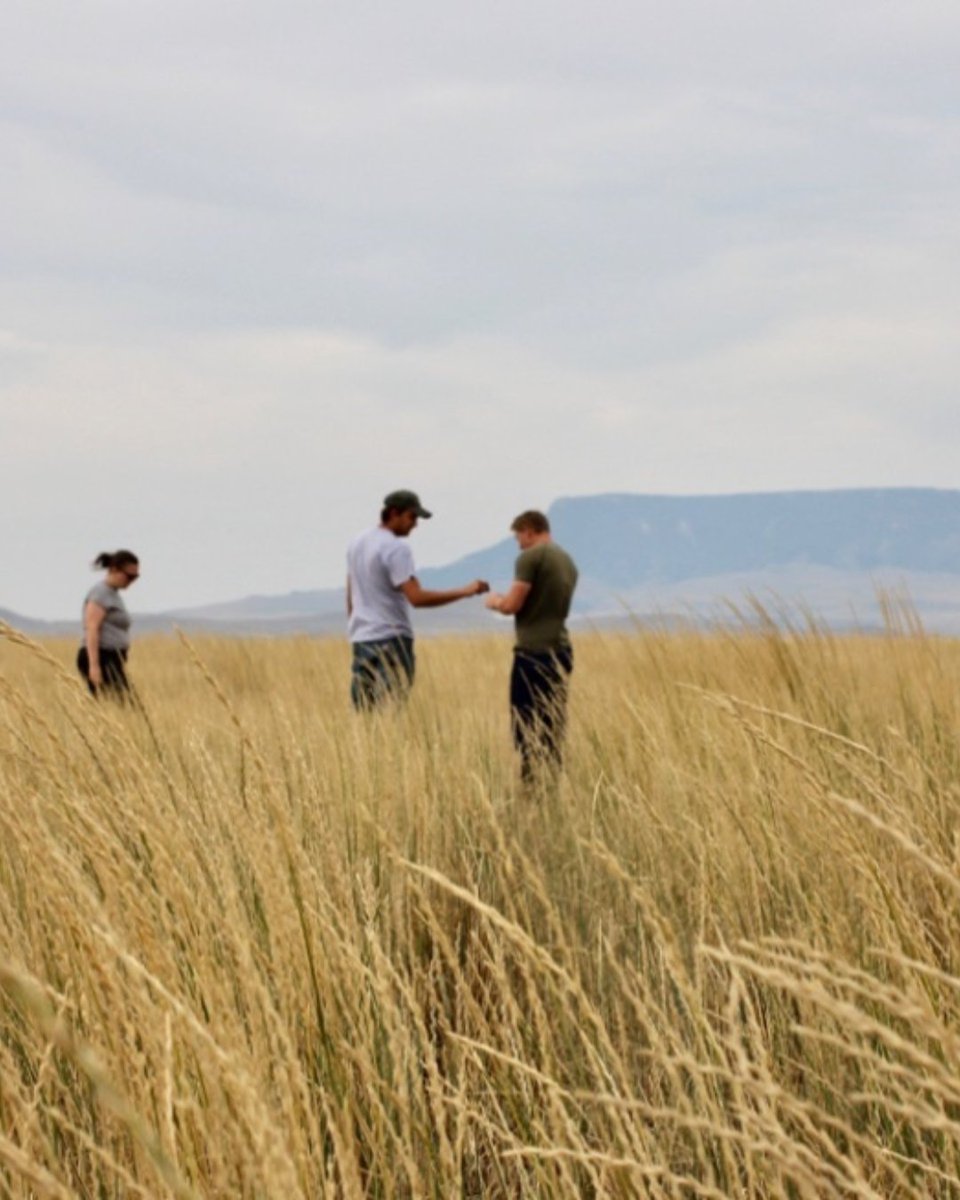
(525, 569)
(399, 563)
(101, 594)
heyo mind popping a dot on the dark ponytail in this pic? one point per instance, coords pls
(115, 561)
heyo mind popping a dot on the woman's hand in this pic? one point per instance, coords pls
(96, 675)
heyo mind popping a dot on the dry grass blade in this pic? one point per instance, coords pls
(336, 957)
(31, 998)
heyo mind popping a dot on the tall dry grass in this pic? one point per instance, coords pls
(252, 945)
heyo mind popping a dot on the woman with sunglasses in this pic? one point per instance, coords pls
(106, 626)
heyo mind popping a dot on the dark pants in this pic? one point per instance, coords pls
(113, 670)
(381, 670)
(539, 687)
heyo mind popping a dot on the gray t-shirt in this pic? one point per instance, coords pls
(115, 630)
(378, 562)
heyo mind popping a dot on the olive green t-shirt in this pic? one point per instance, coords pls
(552, 576)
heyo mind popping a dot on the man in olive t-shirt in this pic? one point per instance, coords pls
(539, 600)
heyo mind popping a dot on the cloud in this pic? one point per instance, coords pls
(259, 265)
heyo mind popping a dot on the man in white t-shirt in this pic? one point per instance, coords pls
(381, 588)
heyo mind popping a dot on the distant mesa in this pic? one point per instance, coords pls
(824, 553)
(623, 540)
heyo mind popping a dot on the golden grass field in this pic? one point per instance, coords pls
(253, 945)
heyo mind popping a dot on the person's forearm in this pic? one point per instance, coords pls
(427, 599)
(92, 640)
(506, 603)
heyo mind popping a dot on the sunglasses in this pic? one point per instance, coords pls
(131, 575)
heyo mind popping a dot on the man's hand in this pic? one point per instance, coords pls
(478, 587)
(510, 602)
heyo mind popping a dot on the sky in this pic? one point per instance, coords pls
(261, 264)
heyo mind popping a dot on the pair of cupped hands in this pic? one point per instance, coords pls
(479, 587)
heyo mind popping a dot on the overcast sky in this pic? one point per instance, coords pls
(259, 264)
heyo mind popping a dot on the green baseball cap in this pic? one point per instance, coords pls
(404, 500)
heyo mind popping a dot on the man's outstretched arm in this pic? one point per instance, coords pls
(509, 602)
(422, 598)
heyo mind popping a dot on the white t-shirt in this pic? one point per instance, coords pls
(378, 562)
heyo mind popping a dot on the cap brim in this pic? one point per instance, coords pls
(422, 512)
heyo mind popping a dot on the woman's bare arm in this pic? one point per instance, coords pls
(93, 617)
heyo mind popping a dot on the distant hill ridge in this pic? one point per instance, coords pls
(650, 552)
(623, 540)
